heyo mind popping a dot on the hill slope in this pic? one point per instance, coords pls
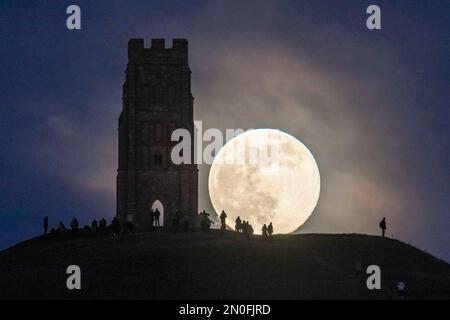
(218, 265)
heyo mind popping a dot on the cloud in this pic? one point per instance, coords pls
(58, 126)
(254, 86)
(81, 153)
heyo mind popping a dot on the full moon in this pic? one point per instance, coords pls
(263, 176)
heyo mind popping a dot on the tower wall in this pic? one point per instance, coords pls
(157, 99)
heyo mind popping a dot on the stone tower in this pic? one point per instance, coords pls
(156, 100)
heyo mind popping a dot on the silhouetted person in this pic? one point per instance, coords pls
(156, 217)
(270, 229)
(238, 225)
(61, 227)
(45, 225)
(206, 222)
(115, 226)
(223, 218)
(383, 227)
(247, 229)
(102, 224)
(152, 217)
(401, 289)
(264, 231)
(94, 224)
(74, 224)
(244, 226)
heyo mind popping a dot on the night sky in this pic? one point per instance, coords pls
(372, 106)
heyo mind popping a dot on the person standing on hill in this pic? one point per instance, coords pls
(270, 229)
(244, 226)
(152, 217)
(238, 226)
(156, 217)
(45, 225)
(264, 231)
(102, 224)
(206, 222)
(115, 226)
(223, 218)
(383, 226)
(246, 229)
(74, 224)
(61, 227)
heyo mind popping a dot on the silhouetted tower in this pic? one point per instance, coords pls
(157, 99)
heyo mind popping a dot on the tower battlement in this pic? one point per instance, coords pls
(158, 53)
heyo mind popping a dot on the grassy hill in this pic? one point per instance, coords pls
(218, 265)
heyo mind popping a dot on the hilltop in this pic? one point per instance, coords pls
(218, 265)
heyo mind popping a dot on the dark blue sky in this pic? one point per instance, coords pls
(372, 106)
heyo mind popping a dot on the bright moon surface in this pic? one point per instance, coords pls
(283, 191)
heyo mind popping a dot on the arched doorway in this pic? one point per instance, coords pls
(158, 205)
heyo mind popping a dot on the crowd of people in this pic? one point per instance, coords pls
(179, 221)
(244, 227)
(74, 226)
(116, 228)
